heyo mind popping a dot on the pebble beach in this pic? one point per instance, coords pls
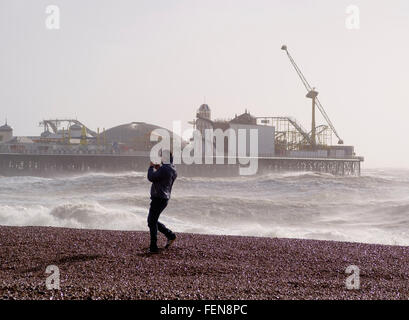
(99, 264)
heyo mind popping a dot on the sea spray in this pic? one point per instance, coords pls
(372, 208)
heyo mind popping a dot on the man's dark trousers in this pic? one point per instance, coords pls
(156, 208)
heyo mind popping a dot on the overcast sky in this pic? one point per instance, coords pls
(113, 62)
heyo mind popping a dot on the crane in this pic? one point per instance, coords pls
(313, 95)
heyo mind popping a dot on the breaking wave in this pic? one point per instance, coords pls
(372, 208)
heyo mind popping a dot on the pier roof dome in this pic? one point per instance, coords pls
(5, 128)
(204, 107)
(128, 132)
(204, 112)
(134, 134)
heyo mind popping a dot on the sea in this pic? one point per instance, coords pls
(371, 208)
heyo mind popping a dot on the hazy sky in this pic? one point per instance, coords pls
(114, 62)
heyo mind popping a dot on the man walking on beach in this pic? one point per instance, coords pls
(162, 178)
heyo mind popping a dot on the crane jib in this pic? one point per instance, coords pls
(309, 88)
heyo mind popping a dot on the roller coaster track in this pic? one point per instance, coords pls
(55, 123)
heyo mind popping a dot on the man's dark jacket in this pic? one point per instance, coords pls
(162, 181)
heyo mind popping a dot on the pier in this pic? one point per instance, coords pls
(55, 164)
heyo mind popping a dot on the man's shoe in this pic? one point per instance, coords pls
(153, 250)
(170, 241)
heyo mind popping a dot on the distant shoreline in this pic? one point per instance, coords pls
(100, 264)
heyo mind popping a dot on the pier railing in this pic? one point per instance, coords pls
(49, 164)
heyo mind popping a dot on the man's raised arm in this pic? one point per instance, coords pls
(153, 175)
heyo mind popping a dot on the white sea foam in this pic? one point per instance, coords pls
(74, 215)
(372, 208)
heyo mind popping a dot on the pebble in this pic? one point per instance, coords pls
(98, 264)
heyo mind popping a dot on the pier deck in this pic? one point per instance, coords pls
(49, 164)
